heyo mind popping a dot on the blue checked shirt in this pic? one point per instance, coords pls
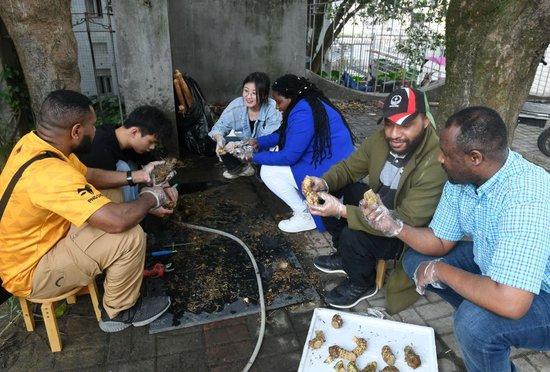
(508, 219)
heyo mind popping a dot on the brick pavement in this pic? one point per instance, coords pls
(227, 345)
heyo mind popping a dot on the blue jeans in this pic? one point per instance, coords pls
(484, 337)
(130, 193)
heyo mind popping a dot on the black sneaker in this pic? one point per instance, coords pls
(145, 311)
(346, 294)
(331, 264)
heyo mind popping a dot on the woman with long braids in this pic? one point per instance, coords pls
(313, 136)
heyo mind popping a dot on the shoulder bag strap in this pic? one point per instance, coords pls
(17, 176)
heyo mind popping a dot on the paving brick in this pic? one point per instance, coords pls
(516, 352)
(412, 317)
(540, 360)
(175, 344)
(189, 361)
(33, 353)
(435, 310)
(72, 358)
(232, 367)
(227, 353)
(119, 347)
(446, 365)
(300, 322)
(82, 331)
(317, 239)
(376, 302)
(442, 326)
(224, 323)
(277, 323)
(133, 366)
(142, 344)
(432, 297)
(280, 362)
(229, 334)
(452, 343)
(280, 345)
(523, 365)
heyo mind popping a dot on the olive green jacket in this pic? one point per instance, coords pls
(417, 193)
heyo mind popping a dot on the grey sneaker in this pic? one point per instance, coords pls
(145, 311)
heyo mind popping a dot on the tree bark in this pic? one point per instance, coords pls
(45, 43)
(493, 49)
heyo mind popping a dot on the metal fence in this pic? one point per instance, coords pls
(364, 55)
(93, 26)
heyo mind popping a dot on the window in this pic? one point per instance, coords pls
(104, 79)
(94, 8)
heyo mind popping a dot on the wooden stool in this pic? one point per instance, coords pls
(48, 312)
(380, 273)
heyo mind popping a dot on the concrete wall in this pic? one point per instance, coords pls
(219, 42)
(144, 57)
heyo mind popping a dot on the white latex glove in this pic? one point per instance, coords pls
(159, 194)
(426, 274)
(164, 211)
(220, 144)
(144, 174)
(317, 184)
(252, 142)
(332, 206)
(244, 153)
(231, 146)
(380, 218)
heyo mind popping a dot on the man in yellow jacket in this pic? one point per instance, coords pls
(58, 231)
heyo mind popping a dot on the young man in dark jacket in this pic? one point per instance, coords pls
(127, 148)
(401, 163)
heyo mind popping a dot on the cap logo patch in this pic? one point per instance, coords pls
(395, 101)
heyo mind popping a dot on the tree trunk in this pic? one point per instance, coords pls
(344, 13)
(493, 49)
(45, 43)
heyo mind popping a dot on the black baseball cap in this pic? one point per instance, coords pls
(403, 105)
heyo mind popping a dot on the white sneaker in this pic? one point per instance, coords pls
(246, 172)
(297, 223)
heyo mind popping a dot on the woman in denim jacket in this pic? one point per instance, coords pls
(250, 116)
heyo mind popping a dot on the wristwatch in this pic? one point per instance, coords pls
(130, 179)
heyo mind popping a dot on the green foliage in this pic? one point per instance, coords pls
(418, 17)
(107, 109)
(15, 93)
(16, 96)
(334, 75)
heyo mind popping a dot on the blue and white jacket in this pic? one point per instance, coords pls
(235, 117)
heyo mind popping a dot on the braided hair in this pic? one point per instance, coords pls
(296, 88)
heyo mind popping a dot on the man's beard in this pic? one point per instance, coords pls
(411, 145)
(85, 146)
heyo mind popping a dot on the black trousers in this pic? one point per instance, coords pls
(359, 250)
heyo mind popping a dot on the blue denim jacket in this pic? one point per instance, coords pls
(235, 117)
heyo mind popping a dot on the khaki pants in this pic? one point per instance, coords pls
(84, 253)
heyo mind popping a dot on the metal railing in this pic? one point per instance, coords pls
(365, 56)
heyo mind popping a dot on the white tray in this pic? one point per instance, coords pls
(377, 332)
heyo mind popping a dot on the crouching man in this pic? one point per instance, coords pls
(499, 281)
(58, 231)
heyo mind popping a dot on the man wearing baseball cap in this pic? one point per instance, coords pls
(400, 160)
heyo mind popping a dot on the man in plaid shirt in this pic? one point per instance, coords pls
(487, 249)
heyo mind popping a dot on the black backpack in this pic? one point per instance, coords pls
(194, 125)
